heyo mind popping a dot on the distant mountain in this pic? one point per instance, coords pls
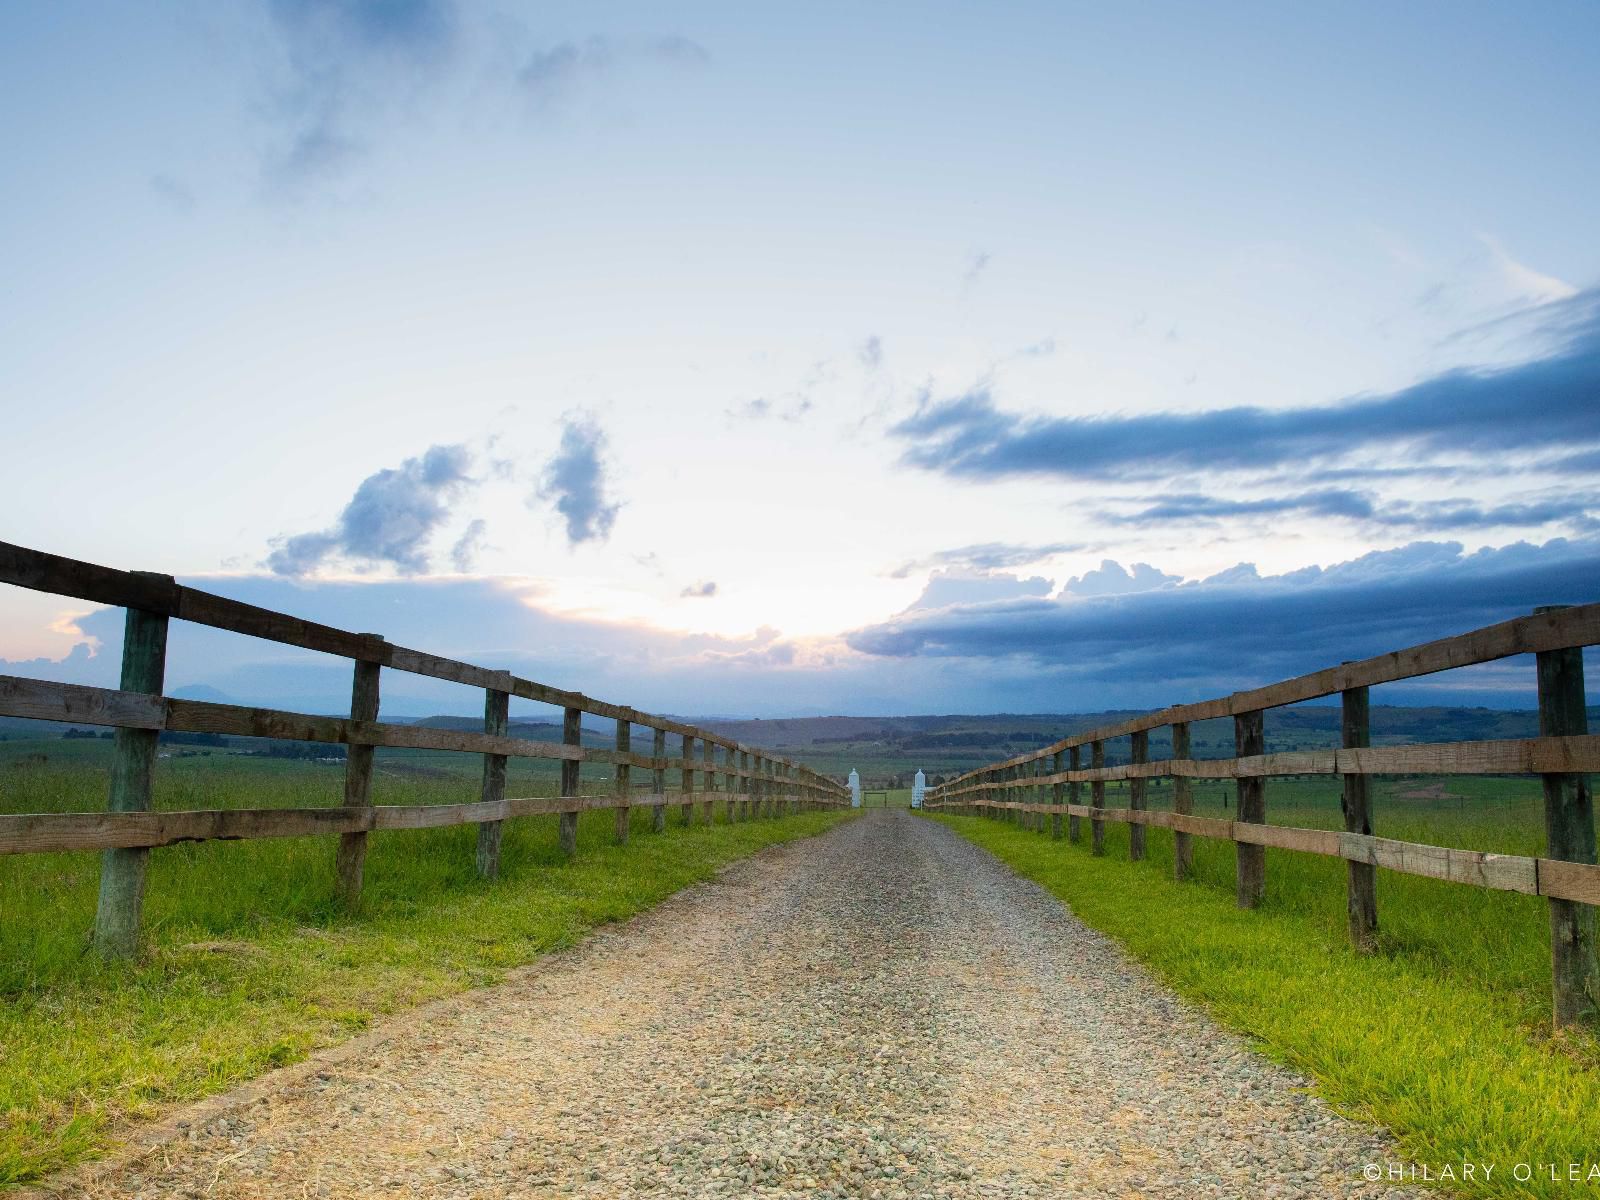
(204, 692)
(883, 748)
(537, 731)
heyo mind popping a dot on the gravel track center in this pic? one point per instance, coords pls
(884, 1011)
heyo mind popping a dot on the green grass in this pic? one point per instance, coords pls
(1443, 1035)
(249, 966)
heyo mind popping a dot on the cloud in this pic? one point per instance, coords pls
(575, 480)
(702, 590)
(962, 587)
(987, 556)
(468, 546)
(1043, 348)
(762, 407)
(83, 663)
(490, 622)
(1432, 515)
(319, 151)
(1240, 629)
(345, 60)
(1523, 281)
(174, 192)
(1439, 516)
(976, 265)
(1027, 654)
(764, 647)
(390, 519)
(870, 353)
(1544, 405)
(1586, 463)
(548, 76)
(1111, 578)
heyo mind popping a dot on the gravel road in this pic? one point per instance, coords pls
(885, 1011)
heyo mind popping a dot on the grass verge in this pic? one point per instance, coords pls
(1434, 1037)
(249, 967)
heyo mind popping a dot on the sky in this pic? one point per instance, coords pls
(737, 360)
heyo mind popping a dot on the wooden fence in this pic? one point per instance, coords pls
(1567, 875)
(754, 781)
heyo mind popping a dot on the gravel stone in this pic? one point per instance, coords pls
(883, 1012)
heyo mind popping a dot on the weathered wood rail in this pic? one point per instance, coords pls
(754, 783)
(1565, 750)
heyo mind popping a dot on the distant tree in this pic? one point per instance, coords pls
(299, 750)
(192, 739)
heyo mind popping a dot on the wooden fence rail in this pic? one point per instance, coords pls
(1565, 751)
(754, 781)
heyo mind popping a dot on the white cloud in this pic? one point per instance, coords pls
(1523, 281)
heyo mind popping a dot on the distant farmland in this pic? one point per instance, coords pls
(887, 750)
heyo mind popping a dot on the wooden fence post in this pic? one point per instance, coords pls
(1250, 739)
(1074, 795)
(744, 785)
(708, 779)
(624, 781)
(1097, 798)
(1182, 802)
(730, 780)
(1057, 795)
(1569, 836)
(1361, 882)
(496, 721)
(687, 806)
(122, 872)
(351, 859)
(1041, 793)
(1136, 794)
(571, 735)
(658, 783)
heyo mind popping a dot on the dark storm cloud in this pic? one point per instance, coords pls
(1242, 626)
(1538, 407)
(1432, 515)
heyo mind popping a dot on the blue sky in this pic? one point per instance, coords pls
(726, 359)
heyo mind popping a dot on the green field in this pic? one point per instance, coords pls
(249, 965)
(1443, 1035)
